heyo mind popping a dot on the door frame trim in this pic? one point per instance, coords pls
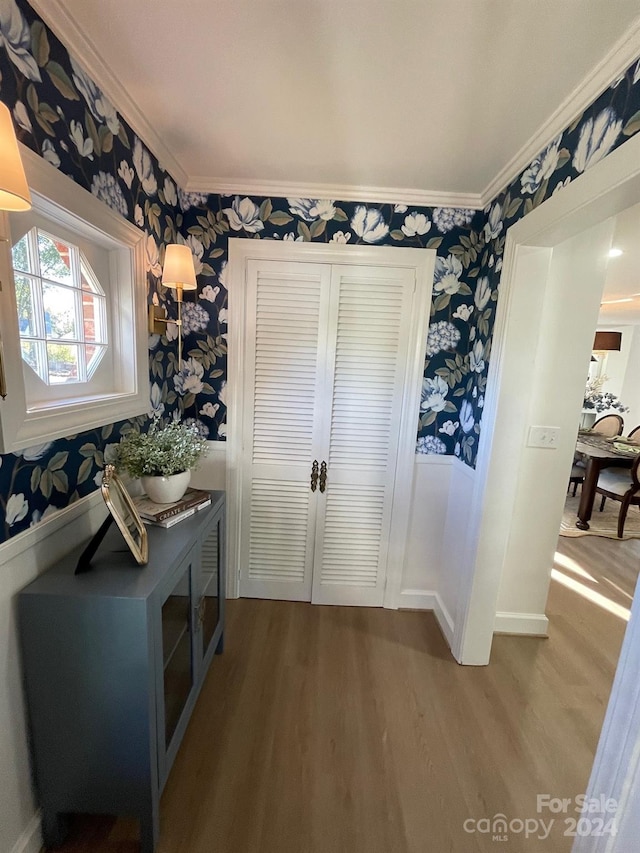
(423, 262)
(607, 188)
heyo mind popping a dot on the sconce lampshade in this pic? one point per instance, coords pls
(14, 190)
(607, 342)
(178, 271)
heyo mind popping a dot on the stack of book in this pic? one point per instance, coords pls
(166, 515)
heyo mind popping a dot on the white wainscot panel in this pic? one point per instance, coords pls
(211, 472)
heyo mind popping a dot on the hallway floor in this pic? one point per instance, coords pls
(352, 730)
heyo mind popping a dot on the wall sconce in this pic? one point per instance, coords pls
(14, 191)
(179, 274)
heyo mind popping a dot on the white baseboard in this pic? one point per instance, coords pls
(530, 624)
(419, 599)
(30, 840)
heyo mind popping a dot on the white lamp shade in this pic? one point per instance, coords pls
(178, 268)
(14, 190)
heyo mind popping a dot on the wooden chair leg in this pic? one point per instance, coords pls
(602, 503)
(624, 508)
(575, 487)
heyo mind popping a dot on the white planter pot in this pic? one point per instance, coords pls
(166, 490)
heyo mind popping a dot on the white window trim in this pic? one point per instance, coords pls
(20, 427)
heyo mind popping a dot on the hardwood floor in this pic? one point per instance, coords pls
(352, 730)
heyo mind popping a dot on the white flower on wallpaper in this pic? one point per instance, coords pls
(292, 238)
(415, 224)
(209, 411)
(188, 200)
(170, 193)
(430, 444)
(446, 275)
(50, 154)
(17, 509)
(447, 218)
(194, 318)
(222, 430)
(311, 209)
(442, 336)
(222, 393)
(37, 515)
(434, 394)
(35, 452)
(561, 185)
(126, 173)
(171, 333)
(400, 208)
(369, 224)
(156, 408)
(244, 215)
(22, 117)
(189, 379)
(463, 312)
(209, 293)
(476, 357)
(483, 293)
(341, 237)
(542, 167)
(494, 225)
(597, 138)
(467, 421)
(152, 255)
(222, 317)
(15, 36)
(138, 216)
(84, 145)
(101, 107)
(143, 164)
(201, 428)
(222, 275)
(105, 187)
(449, 427)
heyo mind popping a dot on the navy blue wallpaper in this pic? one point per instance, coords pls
(61, 114)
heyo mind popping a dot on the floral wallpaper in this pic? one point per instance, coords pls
(61, 114)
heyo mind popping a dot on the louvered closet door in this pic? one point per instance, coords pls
(366, 373)
(286, 330)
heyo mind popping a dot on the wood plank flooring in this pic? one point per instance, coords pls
(352, 730)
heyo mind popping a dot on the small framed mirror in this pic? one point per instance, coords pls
(125, 514)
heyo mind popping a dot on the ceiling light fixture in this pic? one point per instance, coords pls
(615, 253)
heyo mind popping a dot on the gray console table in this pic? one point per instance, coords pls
(113, 662)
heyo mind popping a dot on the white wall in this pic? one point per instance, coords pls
(630, 386)
(22, 559)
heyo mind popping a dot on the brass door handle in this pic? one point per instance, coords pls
(314, 475)
(323, 476)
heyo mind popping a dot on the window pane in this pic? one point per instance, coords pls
(63, 363)
(59, 312)
(20, 254)
(55, 259)
(92, 318)
(24, 300)
(30, 355)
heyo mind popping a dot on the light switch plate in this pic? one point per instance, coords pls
(544, 436)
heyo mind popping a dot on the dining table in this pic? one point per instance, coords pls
(600, 451)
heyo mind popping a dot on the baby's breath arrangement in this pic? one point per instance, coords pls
(162, 451)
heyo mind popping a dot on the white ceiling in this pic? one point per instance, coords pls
(428, 95)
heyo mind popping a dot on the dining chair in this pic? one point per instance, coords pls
(621, 484)
(576, 477)
(635, 431)
(609, 425)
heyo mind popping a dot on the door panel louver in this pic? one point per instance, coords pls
(285, 363)
(279, 526)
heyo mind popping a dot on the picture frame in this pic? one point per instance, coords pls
(124, 513)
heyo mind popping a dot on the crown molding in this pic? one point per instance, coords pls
(64, 26)
(335, 192)
(614, 63)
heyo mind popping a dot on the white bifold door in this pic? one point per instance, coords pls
(326, 361)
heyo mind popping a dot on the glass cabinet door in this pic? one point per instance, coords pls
(208, 594)
(177, 632)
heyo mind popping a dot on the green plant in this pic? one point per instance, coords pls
(162, 451)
